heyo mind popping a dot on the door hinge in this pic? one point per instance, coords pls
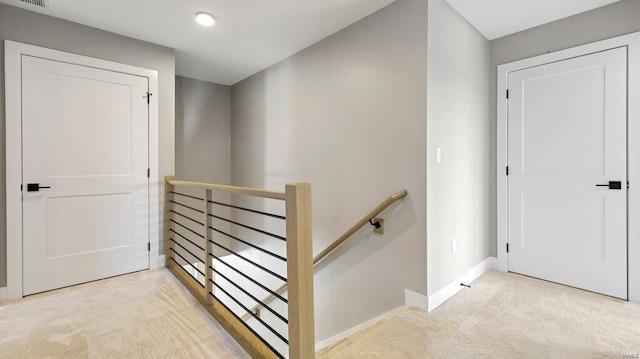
(507, 247)
(627, 184)
(507, 170)
(148, 96)
(507, 94)
(148, 172)
(148, 246)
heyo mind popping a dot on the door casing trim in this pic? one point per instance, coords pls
(632, 42)
(13, 90)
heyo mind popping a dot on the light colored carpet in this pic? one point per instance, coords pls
(142, 315)
(150, 315)
(505, 316)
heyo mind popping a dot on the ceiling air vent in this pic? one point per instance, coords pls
(40, 3)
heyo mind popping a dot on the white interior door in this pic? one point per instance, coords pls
(567, 124)
(85, 135)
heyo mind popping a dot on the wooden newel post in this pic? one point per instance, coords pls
(300, 271)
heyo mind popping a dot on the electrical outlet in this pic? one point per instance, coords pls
(454, 245)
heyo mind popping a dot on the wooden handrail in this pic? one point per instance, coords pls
(232, 189)
(338, 242)
(351, 231)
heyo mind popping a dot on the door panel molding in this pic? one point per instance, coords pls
(632, 42)
(14, 51)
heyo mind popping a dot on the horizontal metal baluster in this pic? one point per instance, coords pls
(186, 271)
(247, 326)
(185, 206)
(185, 195)
(187, 228)
(250, 279)
(251, 262)
(251, 296)
(185, 238)
(255, 316)
(189, 263)
(249, 227)
(250, 245)
(187, 217)
(249, 210)
(186, 250)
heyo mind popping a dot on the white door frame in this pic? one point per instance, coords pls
(632, 42)
(13, 94)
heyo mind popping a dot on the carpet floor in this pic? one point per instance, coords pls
(150, 315)
(504, 315)
(141, 315)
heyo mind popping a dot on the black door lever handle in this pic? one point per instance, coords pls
(612, 185)
(35, 187)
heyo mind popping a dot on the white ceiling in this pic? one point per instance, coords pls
(248, 36)
(498, 18)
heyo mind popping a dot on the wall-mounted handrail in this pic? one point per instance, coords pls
(338, 242)
(361, 223)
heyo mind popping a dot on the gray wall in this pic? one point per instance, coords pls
(348, 115)
(36, 29)
(203, 131)
(458, 188)
(609, 21)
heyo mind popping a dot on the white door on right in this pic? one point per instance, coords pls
(567, 174)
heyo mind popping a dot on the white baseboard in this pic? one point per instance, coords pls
(3, 294)
(441, 296)
(414, 299)
(336, 338)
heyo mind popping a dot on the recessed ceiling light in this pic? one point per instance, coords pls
(204, 18)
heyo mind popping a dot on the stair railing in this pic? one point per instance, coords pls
(369, 218)
(199, 258)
